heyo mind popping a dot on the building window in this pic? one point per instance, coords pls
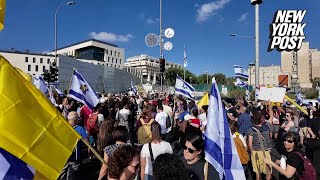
(29, 67)
(48, 61)
(26, 59)
(111, 53)
(36, 68)
(108, 59)
(34, 60)
(118, 54)
(43, 68)
(112, 61)
(116, 61)
(120, 61)
(107, 51)
(41, 60)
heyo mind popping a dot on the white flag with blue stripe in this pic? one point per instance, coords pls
(183, 88)
(133, 88)
(240, 72)
(81, 91)
(13, 168)
(185, 63)
(241, 83)
(220, 150)
(41, 84)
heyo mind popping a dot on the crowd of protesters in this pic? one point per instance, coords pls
(160, 136)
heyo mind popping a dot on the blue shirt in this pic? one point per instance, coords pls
(76, 154)
(244, 123)
(181, 116)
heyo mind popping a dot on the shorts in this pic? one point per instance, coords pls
(257, 160)
(275, 128)
(303, 132)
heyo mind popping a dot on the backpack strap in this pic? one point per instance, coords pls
(151, 154)
(142, 122)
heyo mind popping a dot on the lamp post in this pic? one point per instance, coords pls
(190, 80)
(207, 77)
(55, 28)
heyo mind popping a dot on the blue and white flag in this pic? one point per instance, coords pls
(299, 98)
(183, 88)
(13, 168)
(81, 91)
(185, 63)
(241, 83)
(240, 72)
(59, 92)
(41, 84)
(133, 88)
(220, 150)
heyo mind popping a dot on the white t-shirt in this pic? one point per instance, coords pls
(203, 119)
(157, 149)
(161, 118)
(167, 109)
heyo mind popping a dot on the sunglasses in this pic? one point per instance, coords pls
(189, 149)
(289, 141)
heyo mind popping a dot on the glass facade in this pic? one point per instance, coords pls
(91, 53)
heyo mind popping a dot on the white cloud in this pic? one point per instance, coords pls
(243, 17)
(210, 9)
(148, 20)
(196, 5)
(110, 37)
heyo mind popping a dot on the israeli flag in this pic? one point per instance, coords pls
(13, 168)
(241, 83)
(41, 84)
(60, 93)
(220, 150)
(183, 88)
(133, 88)
(185, 63)
(240, 72)
(81, 91)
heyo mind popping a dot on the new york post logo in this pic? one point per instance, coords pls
(286, 31)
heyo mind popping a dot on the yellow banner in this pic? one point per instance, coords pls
(2, 13)
(32, 129)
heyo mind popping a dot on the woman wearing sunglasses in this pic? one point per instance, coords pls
(193, 158)
(289, 123)
(295, 163)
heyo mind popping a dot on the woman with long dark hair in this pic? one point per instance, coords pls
(193, 158)
(151, 150)
(105, 135)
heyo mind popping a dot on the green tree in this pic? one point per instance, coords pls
(171, 73)
(220, 78)
(236, 93)
(310, 93)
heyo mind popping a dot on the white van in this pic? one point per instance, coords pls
(314, 102)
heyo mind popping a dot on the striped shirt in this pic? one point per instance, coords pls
(256, 140)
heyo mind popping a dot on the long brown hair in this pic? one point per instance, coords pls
(105, 128)
(156, 131)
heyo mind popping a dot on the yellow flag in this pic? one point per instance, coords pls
(27, 76)
(2, 12)
(203, 101)
(32, 129)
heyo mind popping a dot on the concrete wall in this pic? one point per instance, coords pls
(98, 76)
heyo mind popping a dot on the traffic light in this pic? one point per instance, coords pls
(162, 62)
(46, 75)
(54, 71)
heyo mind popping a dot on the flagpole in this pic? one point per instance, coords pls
(184, 73)
(94, 151)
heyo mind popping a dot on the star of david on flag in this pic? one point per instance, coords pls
(183, 88)
(81, 91)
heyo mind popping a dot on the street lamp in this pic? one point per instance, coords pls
(190, 80)
(55, 28)
(207, 77)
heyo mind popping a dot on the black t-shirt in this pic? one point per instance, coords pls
(196, 170)
(233, 111)
(296, 161)
(314, 124)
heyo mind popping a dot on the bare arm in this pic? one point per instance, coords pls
(270, 113)
(103, 170)
(143, 166)
(288, 172)
(250, 143)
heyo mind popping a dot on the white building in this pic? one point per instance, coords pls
(31, 63)
(268, 75)
(149, 66)
(96, 52)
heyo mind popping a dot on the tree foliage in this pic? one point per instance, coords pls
(310, 93)
(171, 74)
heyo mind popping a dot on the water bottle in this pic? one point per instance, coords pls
(283, 163)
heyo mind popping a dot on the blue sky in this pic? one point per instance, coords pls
(203, 26)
